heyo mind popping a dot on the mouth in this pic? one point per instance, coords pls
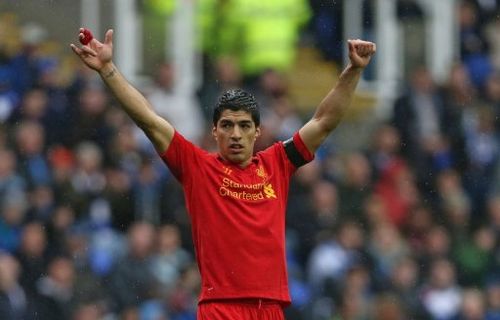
(235, 147)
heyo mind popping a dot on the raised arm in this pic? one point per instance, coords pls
(330, 111)
(98, 56)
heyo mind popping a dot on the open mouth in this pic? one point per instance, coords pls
(235, 147)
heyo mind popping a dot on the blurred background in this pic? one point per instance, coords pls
(398, 217)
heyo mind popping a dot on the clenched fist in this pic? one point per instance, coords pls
(360, 52)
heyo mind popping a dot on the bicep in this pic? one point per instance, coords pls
(160, 132)
(313, 133)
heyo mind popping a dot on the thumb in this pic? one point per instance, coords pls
(108, 37)
(351, 46)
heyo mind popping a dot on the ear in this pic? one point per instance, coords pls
(214, 132)
(257, 133)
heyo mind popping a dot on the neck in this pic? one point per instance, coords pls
(242, 164)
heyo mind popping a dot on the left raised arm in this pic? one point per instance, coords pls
(330, 111)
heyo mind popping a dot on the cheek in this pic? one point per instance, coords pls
(221, 139)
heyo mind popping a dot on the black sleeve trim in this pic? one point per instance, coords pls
(293, 153)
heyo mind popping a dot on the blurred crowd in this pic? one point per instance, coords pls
(93, 225)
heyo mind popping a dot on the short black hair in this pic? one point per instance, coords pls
(235, 100)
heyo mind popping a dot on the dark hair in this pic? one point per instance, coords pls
(235, 100)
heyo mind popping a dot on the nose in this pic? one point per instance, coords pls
(236, 134)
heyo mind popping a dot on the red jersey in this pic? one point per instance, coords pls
(238, 218)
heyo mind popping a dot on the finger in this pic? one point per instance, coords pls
(365, 50)
(89, 50)
(80, 33)
(370, 48)
(108, 37)
(351, 45)
(76, 50)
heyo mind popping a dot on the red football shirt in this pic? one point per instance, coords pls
(238, 218)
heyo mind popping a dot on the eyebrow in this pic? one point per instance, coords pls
(227, 121)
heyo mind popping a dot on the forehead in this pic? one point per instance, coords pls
(235, 116)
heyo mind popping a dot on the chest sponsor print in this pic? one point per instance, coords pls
(247, 191)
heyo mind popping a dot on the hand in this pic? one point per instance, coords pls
(360, 52)
(96, 54)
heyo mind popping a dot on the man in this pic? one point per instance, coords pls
(236, 201)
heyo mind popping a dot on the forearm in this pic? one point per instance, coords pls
(131, 100)
(158, 130)
(331, 110)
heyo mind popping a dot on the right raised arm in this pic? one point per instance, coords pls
(98, 56)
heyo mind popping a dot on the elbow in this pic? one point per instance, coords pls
(326, 124)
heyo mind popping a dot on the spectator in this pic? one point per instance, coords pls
(420, 117)
(56, 290)
(169, 259)
(474, 257)
(262, 36)
(473, 45)
(398, 191)
(9, 97)
(322, 215)
(386, 247)
(88, 180)
(420, 221)
(459, 96)
(482, 148)
(388, 307)
(354, 187)
(58, 229)
(13, 201)
(333, 256)
(147, 190)
(440, 296)
(132, 281)
(438, 245)
(473, 305)
(182, 303)
(404, 281)
(453, 203)
(15, 302)
(493, 300)
(11, 223)
(89, 122)
(33, 107)
(30, 144)
(33, 255)
(118, 194)
(184, 112)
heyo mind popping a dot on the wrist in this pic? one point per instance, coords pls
(352, 67)
(108, 70)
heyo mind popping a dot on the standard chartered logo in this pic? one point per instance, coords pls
(269, 191)
(249, 192)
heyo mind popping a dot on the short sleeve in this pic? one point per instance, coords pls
(180, 156)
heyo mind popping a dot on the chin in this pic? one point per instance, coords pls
(236, 158)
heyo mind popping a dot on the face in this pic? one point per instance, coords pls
(235, 134)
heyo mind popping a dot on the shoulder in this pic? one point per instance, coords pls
(180, 144)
